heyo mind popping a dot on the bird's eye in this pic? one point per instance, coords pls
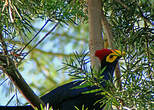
(111, 56)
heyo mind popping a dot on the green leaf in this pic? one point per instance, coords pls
(92, 91)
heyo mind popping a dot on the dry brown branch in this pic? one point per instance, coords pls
(109, 35)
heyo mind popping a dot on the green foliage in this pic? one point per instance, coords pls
(83, 108)
(136, 86)
(131, 23)
(76, 65)
(64, 10)
(17, 16)
(45, 108)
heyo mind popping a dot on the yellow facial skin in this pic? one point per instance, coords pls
(113, 56)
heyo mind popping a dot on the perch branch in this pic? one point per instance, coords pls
(7, 66)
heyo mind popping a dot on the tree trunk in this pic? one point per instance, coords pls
(95, 30)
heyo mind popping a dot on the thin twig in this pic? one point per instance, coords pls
(3, 81)
(125, 6)
(10, 100)
(141, 14)
(34, 36)
(42, 39)
(41, 51)
(4, 46)
(5, 5)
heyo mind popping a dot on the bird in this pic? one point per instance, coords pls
(66, 97)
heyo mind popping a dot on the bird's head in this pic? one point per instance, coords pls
(108, 59)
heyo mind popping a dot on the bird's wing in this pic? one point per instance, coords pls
(64, 92)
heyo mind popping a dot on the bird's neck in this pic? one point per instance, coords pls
(108, 70)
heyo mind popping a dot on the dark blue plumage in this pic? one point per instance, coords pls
(65, 98)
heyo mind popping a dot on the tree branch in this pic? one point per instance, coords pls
(8, 67)
(109, 35)
(40, 50)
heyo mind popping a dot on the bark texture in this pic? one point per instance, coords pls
(95, 30)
